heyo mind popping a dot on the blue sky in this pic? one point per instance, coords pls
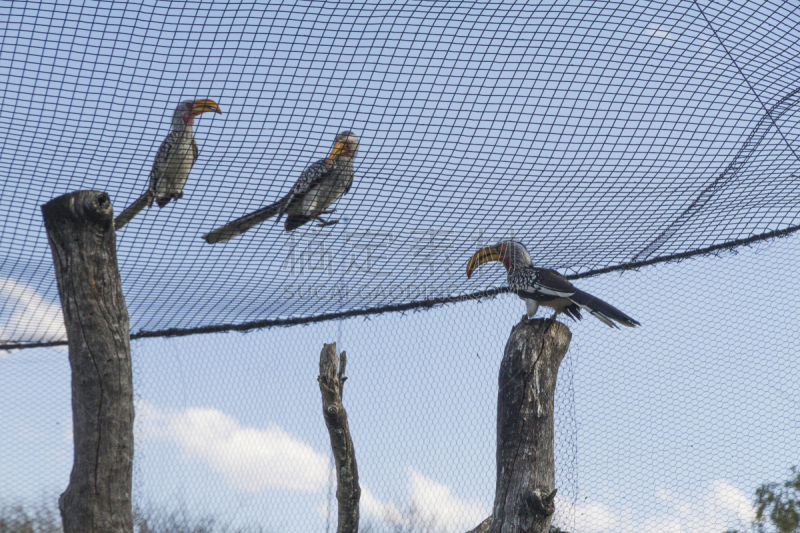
(586, 133)
(675, 423)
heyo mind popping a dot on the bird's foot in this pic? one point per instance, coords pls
(327, 212)
(324, 223)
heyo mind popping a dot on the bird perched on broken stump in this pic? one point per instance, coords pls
(541, 286)
(319, 185)
(174, 160)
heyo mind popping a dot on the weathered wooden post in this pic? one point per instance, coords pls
(331, 385)
(80, 228)
(524, 492)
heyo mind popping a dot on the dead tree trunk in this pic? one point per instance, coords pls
(525, 464)
(331, 385)
(80, 228)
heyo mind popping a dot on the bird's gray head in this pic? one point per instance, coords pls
(512, 254)
(345, 145)
(188, 109)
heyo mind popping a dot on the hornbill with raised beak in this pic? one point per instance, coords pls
(174, 160)
(541, 286)
(319, 185)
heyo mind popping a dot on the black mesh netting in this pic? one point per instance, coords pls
(600, 134)
(606, 136)
(668, 428)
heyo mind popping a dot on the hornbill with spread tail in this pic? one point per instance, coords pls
(318, 186)
(174, 160)
(541, 286)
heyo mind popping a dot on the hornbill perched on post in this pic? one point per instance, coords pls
(541, 286)
(174, 160)
(318, 186)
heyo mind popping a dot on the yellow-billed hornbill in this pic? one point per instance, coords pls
(319, 185)
(541, 286)
(174, 160)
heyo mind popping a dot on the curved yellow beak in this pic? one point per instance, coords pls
(201, 106)
(338, 148)
(484, 255)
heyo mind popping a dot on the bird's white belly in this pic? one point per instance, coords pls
(531, 307)
(320, 197)
(175, 172)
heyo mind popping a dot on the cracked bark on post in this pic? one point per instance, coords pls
(525, 463)
(331, 385)
(80, 228)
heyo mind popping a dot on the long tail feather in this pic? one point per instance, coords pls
(133, 210)
(574, 312)
(603, 311)
(240, 225)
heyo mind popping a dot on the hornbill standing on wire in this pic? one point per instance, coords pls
(318, 186)
(174, 160)
(541, 286)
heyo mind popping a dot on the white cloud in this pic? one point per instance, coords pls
(721, 507)
(595, 517)
(659, 33)
(32, 317)
(437, 507)
(433, 507)
(728, 498)
(662, 524)
(249, 459)
(589, 516)
(252, 459)
(372, 506)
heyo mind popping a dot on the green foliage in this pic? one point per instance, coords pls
(780, 502)
(777, 506)
(19, 519)
(45, 518)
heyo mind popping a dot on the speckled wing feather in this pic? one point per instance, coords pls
(160, 164)
(311, 176)
(540, 284)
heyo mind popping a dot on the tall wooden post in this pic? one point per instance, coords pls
(80, 228)
(525, 490)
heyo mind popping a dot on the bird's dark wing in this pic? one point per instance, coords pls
(311, 176)
(349, 184)
(540, 284)
(552, 283)
(195, 151)
(162, 158)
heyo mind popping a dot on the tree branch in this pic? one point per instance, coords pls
(80, 229)
(331, 383)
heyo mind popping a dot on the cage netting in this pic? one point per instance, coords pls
(599, 134)
(615, 139)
